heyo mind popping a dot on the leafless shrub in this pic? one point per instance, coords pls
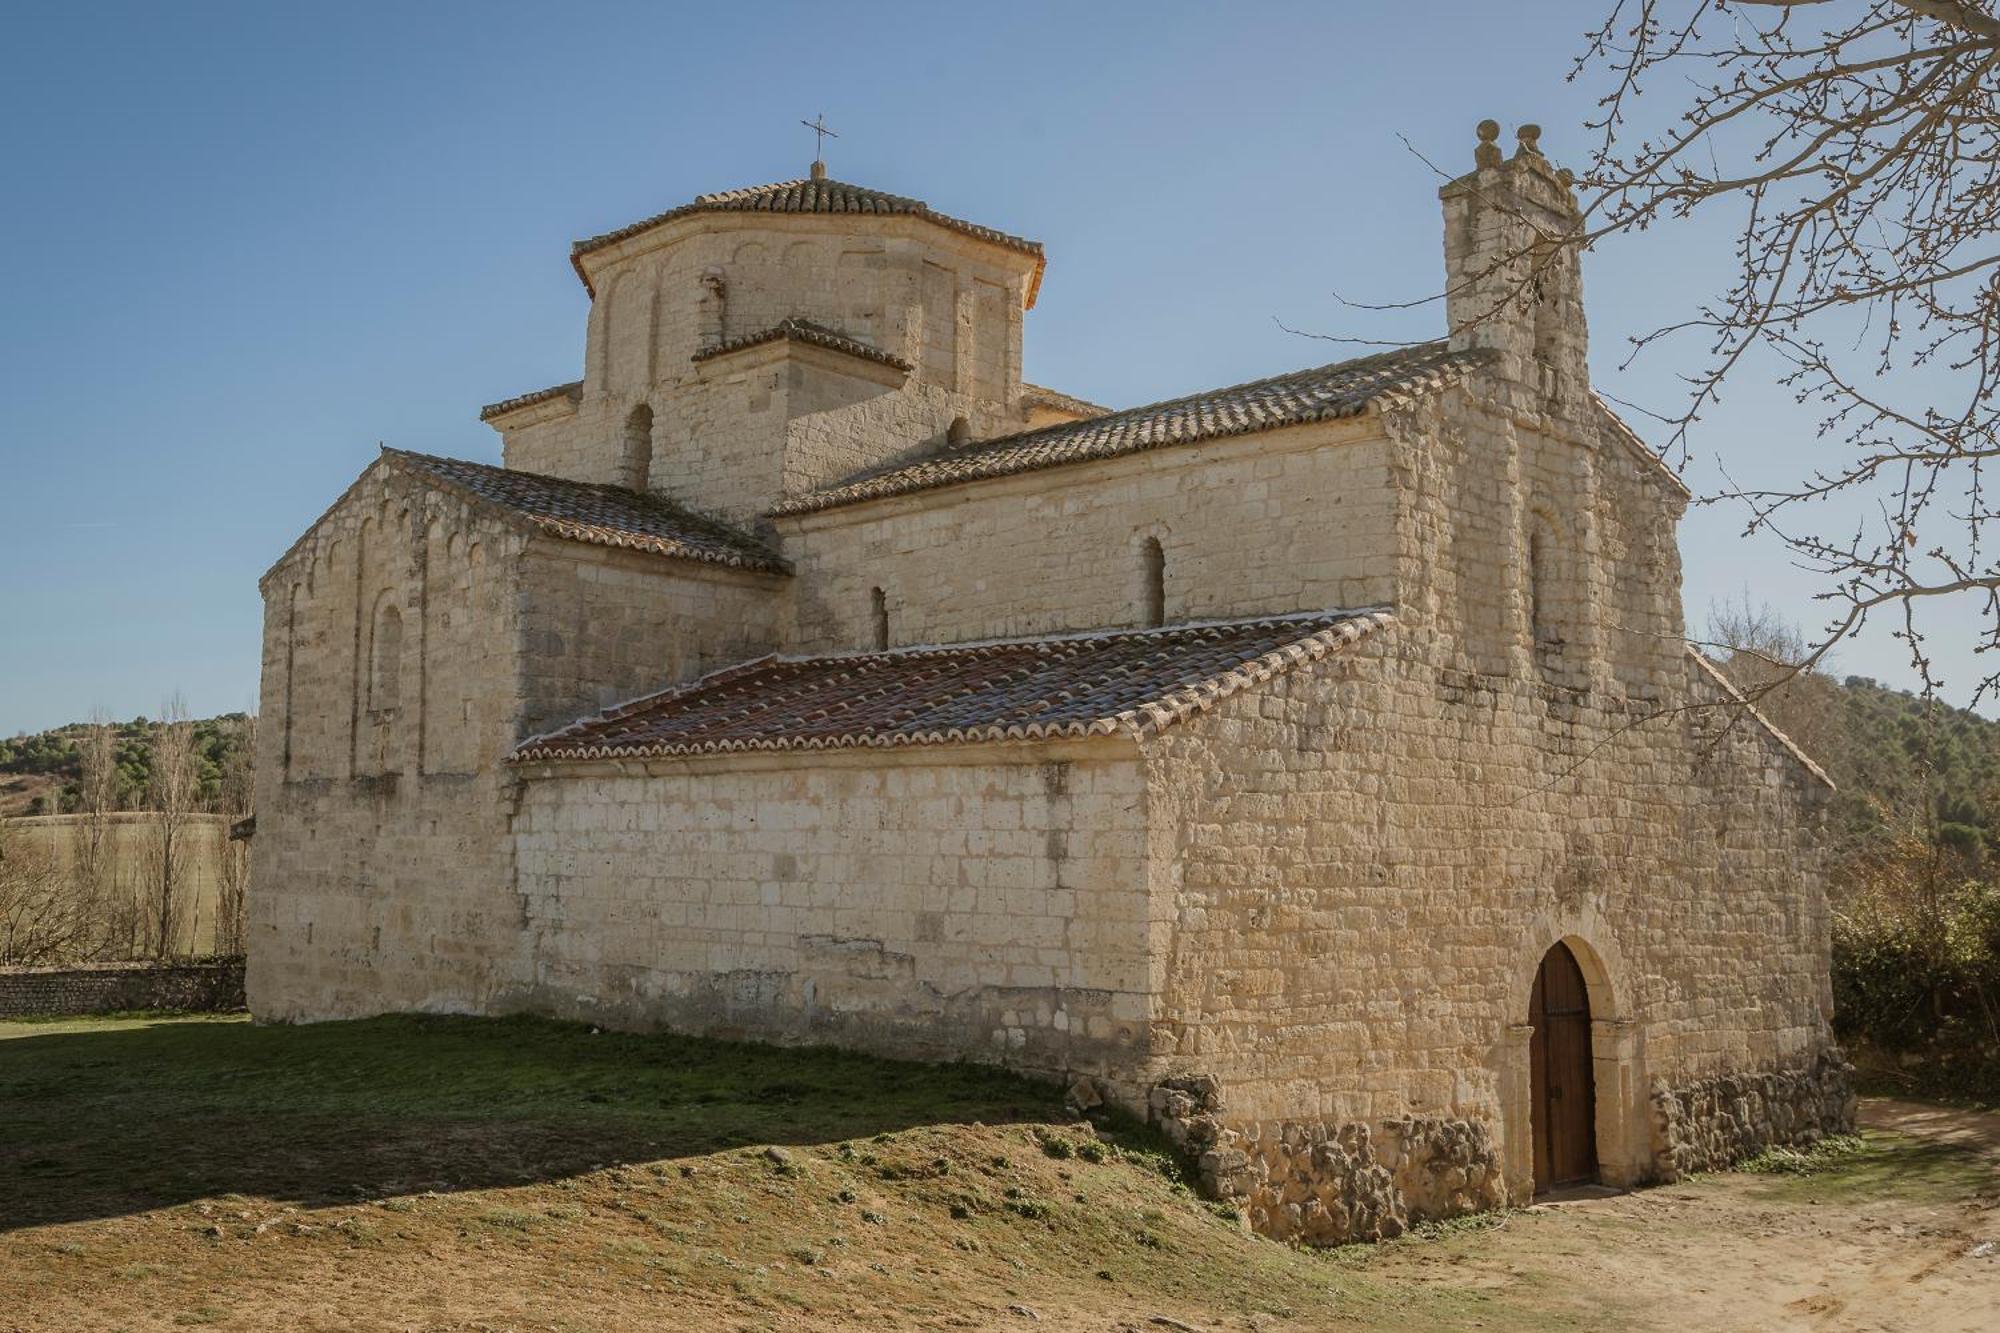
(39, 922)
(238, 795)
(173, 796)
(1770, 661)
(94, 855)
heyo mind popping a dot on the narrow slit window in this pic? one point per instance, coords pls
(385, 676)
(1153, 575)
(878, 619)
(636, 465)
(1540, 625)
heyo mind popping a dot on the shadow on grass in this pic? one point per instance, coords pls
(98, 1123)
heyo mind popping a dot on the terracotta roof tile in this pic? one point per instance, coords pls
(586, 512)
(572, 391)
(1344, 389)
(1130, 681)
(810, 196)
(804, 331)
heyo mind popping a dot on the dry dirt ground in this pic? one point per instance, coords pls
(453, 1176)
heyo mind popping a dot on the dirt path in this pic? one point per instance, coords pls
(1904, 1237)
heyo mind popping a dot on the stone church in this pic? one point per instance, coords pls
(1316, 765)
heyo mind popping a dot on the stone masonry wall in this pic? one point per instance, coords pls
(604, 626)
(950, 306)
(1375, 855)
(207, 985)
(1061, 550)
(381, 870)
(948, 904)
(1709, 1123)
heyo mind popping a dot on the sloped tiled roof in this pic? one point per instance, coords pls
(586, 512)
(572, 391)
(1036, 395)
(810, 196)
(804, 331)
(1130, 681)
(1344, 389)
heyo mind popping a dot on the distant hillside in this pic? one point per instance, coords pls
(39, 772)
(1892, 746)
(1876, 742)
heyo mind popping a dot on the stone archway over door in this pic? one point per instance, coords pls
(1563, 1092)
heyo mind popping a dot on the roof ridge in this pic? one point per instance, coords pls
(827, 183)
(1100, 431)
(701, 537)
(810, 196)
(1786, 743)
(1125, 413)
(572, 389)
(810, 332)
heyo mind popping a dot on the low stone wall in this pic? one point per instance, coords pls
(213, 985)
(1323, 1184)
(1714, 1122)
(1326, 1184)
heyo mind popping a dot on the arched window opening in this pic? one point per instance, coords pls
(960, 432)
(385, 668)
(878, 619)
(635, 466)
(1541, 593)
(1153, 585)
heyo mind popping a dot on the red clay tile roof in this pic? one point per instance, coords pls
(1130, 681)
(585, 512)
(804, 331)
(1344, 389)
(812, 196)
(572, 391)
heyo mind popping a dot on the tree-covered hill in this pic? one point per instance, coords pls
(39, 772)
(1897, 756)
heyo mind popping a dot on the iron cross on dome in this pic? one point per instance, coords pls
(820, 135)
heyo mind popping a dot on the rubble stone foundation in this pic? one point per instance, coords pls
(1714, 1122)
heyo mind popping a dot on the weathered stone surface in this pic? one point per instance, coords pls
(1295, 922)
(1715, 1122)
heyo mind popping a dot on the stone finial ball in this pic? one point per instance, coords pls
(1528, 134)
(1488, 130)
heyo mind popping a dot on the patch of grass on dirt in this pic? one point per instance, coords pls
(476, 1165)
(1875, 1164)
(1811, 1161)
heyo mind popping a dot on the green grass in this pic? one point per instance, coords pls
(132, 1112)
(1827, 1154)
(1875, 1164)
(198, 1157)
(200, 1164)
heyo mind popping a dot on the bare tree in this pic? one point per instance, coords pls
(174, 794)
(38, 920)
(1769, 660)
(1856, 144)
(93, 860)
(238, 793)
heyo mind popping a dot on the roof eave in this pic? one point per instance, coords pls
(1136, 723)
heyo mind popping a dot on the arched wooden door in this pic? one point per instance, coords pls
(1563, 1090)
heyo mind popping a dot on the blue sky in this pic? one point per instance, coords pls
(241, 245)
